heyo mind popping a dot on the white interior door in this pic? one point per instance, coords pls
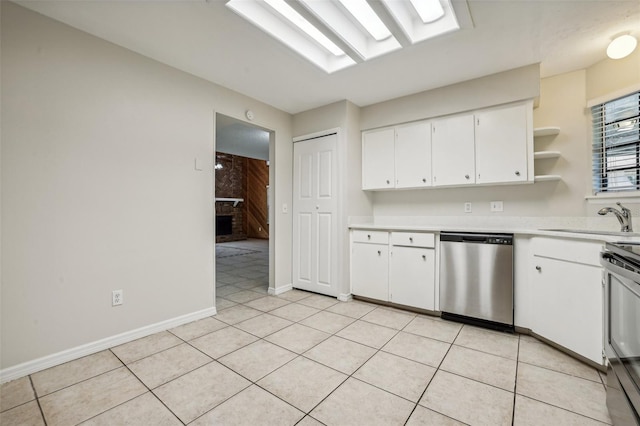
(315, 214)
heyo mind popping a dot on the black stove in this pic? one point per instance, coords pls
(629, 252)
(622, 331)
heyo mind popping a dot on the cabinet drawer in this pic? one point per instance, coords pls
(375, 237)
(412, 239)
(585, 252)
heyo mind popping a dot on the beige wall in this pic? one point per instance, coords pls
(612, 75)
(509, 86)
(99, 190)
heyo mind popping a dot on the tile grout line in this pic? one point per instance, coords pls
(145, 385)
(515, 392)
(515, 385)
(432, 377)
(37, 398)
(563, 372)
(80, 381)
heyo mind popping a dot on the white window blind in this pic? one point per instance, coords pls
(616, 144)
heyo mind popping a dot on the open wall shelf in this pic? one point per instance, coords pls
(547, 178)
(545, 131)
(539, 155)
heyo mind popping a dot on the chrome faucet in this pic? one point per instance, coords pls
(624, 216)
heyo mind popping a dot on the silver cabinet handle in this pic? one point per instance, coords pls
(369, 237)
(388, 181)
(424, 180)
(317, 207)
(424, 257)
(379, 253)
(410, 239)
(517, 173)
(539, 268)
(466, 176)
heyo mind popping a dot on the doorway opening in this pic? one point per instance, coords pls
(242, 205)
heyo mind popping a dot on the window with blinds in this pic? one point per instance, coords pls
(616, 144)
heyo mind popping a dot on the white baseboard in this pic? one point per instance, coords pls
(48, 361)
(345, 297)
(280, 290)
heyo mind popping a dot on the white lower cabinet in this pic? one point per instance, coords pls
(567, 295)
(398, 267)
(412, 276)
(370, 270)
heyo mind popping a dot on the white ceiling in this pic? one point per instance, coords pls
(208, 40)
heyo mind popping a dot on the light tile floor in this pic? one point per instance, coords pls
(306, 359)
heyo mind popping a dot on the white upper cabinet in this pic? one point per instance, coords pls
(484, 147)
(397, 157)
(377, 159)
(501, 145)
(413, 155)
(453, 151)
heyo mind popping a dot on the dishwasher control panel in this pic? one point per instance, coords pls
(499, 240)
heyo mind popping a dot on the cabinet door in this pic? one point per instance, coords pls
(567, 300)
(453, 152)
(413, 155)
(412, 277)
(501, 145)
(377, 159)
(370, 270)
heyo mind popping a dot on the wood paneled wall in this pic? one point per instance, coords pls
(257, 179)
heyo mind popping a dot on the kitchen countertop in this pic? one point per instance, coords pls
(557, 232)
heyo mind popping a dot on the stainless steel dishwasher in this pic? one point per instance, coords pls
(476, 278)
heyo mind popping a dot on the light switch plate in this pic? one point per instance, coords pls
(497, 206)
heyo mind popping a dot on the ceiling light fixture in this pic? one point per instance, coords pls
(621, 46)
(294, 17)
(428, 10)
(363, 13)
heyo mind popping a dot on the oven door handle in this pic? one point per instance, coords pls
(631, 279)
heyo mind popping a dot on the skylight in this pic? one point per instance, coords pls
(335, 34)
(285, 10)
(361, 10)
(429, 10)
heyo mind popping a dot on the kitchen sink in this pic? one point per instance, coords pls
(589, 231)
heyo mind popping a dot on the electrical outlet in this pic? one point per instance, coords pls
(285, 208)
(497, 206)
(467, 207)
(116, 297)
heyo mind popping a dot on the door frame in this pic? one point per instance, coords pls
(272, 190)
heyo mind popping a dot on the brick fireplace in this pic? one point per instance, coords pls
(230, 183)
